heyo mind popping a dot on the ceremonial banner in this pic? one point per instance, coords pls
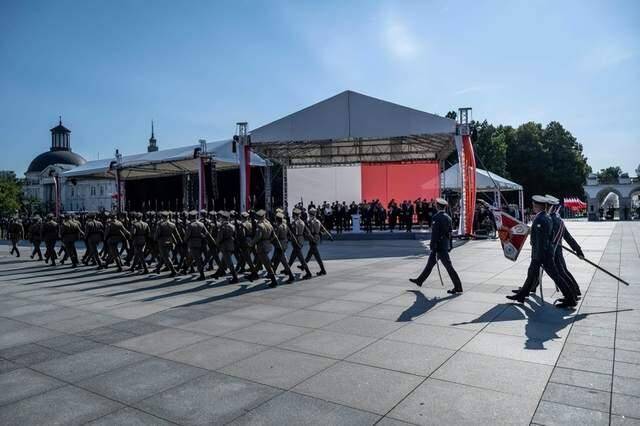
(467, 164)
(512, 234)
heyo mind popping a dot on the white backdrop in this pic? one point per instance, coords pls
(320, 184)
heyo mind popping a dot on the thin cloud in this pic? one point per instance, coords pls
(605, 56)
(476, 89)
(399, 41)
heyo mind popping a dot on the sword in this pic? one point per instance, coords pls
(438, 267)
(595, 266)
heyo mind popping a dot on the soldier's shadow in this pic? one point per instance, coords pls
(421, 305)
(544, 320)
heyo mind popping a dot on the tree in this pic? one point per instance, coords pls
(610, 174)
(452, 115)
(569, 167)
(10, 194)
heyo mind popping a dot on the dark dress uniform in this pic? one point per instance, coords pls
(542, 256)
(560, 232)
(440, 246)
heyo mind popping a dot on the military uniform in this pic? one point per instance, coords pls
(542, 256)
(244, 234)
(140, 232)
(298, 229)
(281, 233)
(114, 234)
(166, 236)
(262, 243)
(70, 232)
(196, 236)
(440, 245)
(560, 232)
(50, 236)
(16, 233)
(226, 243)
(315, 230)
(35, 236)
(94, 232)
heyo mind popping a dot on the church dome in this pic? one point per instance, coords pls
(46, 159)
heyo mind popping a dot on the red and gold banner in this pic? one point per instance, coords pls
(467, 164)
(512, 234)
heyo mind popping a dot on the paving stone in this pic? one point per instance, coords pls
(6, 366)
(626, 385)
(23, 383)
(136, 327)
(628, 356)
(432, 404)
(602, 366)
(444, 337)
(162, 341)
(625, 405)
(273, 367)
(360, 386)
(63, 406)
(307, 318)
(577, 397)
(129, 417)
(400, 356)
(141, 380)
(211, 399)
(41, 355)
(74, 368)
(584, 379)
(498, 374)
(585, 351)
(624, 421)
(261, 311)
(340, 306)
(627, 370)
(295, 409)
(514, 347)
(215, 353)
(326, 343)
(267, 333)
(25, 335)
(218, 324)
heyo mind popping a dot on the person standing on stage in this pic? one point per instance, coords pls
(440, 246)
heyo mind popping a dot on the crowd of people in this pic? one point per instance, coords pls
(178, 242)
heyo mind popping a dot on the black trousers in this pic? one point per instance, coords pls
(92, 251)
(138, 256)
(50, 253)
(296, 253)
(280, 258)
(549, 266)
(14, 247)
(443, 256)
(562, 269)
(36, 249)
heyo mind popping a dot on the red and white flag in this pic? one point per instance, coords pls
(512, 234)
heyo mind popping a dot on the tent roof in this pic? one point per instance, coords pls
(163, 162)
(484, 182)
(344, 129)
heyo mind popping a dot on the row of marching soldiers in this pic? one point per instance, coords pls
(181, 242)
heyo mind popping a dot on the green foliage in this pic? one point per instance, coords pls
(452, 115)
(10, 195)
(610, 174)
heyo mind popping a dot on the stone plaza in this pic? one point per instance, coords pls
(360, 346)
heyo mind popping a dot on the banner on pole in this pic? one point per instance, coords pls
(512, 234)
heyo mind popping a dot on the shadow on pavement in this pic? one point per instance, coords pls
(421, 305)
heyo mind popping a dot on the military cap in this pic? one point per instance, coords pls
(50, 216)
(540, 199)
(441, 202)
(223, 213)
(312, 211)
(552, 200)
(233, 212)
(244, 215)
(139, 215)
(164, 214)
(193, 213)
(261, 213)
(279, 215)
(296, 211)
(279, 210)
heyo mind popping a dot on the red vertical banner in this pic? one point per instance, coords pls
(247, 165)
(469, 183)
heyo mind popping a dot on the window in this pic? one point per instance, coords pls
(93, 190)
(101, 189)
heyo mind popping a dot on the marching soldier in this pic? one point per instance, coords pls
(298, 228)
(244, 234)
(166, 236)
(281, 233)
(140, 232)
(114, 234)
(262, 243)
(440, 246)
(50, 236)
(226, 243)
(542, 253)
(315, 231)
(70, 232)
(94, 232)
(35, 235)
(196, 237)
(16, 233)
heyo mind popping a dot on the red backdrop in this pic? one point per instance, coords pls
(401, 181)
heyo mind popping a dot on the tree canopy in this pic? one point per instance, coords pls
(610, 174)
(10, 195)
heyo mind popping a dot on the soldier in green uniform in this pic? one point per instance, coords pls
(35, 235)
(315, 232)
(140, 232)
(94, 232)
(70, 232)
(226, 243)
(50, 236)
(166, 236)
(244, 234)
(281, 233)
(196, 237)
(298, 228)
(114, 234)
(16, 233)
(262, 243)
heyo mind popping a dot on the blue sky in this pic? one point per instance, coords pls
(198, 67)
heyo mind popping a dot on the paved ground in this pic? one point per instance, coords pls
(360, 346)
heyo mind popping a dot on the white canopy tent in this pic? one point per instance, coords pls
(486, 182)
(164, 162)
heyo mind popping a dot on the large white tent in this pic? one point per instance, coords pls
(451, 180)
